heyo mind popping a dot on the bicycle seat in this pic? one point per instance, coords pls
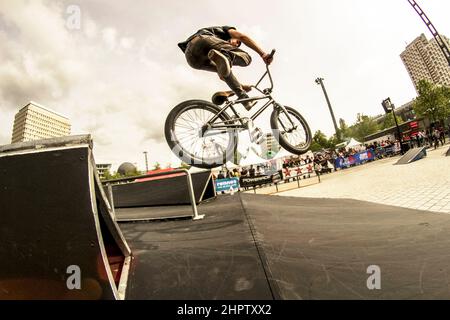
(221, 97)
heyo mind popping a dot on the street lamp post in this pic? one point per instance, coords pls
(389, 107)
(146, 161)
(319, 81)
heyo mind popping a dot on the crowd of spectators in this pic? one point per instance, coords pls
(429, 138)
(325, 160)
(251, 172)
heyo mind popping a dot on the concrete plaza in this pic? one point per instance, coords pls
(423, 185)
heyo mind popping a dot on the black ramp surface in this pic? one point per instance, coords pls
(321, 248)
(305, 249)
(47, 224)
(161, 192)
(152, 213)
(413, 155)
(214, 258)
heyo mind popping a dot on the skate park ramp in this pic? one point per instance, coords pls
(58, 239)
(163, 191)
(412, 155)
(261, 247)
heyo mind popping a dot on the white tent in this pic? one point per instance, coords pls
(283, 153)
(353, 143)
(251, 158)
(195, 169)
(230, 165)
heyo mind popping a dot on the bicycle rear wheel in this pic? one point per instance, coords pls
(294, 136)
(189, 139)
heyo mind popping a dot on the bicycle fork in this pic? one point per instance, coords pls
(283, 109)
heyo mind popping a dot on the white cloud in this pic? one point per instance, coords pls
(110, 37)
(121, 74)
(90, 28)
(127, 43)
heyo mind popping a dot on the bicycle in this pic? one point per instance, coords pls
(204, 135)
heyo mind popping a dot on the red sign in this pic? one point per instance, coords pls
(414, 124)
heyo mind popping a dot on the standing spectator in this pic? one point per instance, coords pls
(448, 130)
(251, 172)
(221, 175)
(259, 171)
(442, 135)
(436, 136)
(318, 167)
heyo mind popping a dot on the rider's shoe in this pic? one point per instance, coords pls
(221, 62)
(221, 97)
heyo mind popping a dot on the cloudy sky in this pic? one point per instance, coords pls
(120, 73)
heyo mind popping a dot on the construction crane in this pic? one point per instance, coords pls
(439, 40)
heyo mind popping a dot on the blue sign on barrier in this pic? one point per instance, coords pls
(224, 185)
(357, 158)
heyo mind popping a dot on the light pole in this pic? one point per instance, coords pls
(319, 81)
(389, 107)
(146, 161)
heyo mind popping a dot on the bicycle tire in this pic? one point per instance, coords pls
(282, 140)
(186, 155)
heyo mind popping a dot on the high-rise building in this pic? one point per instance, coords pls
(34, 122)
(425, 60)
(270, 145)
(102, 169)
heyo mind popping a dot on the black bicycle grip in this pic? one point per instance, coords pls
(272, 53)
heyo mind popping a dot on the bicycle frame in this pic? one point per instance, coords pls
(266, 95)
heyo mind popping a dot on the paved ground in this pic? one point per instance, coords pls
(423, 185)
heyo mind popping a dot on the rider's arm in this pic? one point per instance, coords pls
(249, 42)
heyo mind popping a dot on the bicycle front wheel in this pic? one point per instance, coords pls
(193, 142)
(292, 132)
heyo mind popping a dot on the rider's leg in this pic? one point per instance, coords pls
(198, 57)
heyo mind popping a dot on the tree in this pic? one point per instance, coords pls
(344, 129)
(389, 121)
(116, 175)
(157, 166)
(433, 101)
(320, 141)
(184, 165)
(363, 127)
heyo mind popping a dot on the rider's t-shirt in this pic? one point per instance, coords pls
(219, 32)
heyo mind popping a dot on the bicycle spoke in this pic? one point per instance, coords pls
(293, 133)
(187, 131)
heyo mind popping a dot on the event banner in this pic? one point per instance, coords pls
(357, 158)
(255, 181)
(298, 171)
(225, 185)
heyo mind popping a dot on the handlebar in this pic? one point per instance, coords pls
(272, 53)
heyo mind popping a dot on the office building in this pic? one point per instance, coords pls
(424, 60)
(35, 122)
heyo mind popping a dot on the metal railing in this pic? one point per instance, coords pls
(110, 183)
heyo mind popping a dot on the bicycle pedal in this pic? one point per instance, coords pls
(257, 136)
